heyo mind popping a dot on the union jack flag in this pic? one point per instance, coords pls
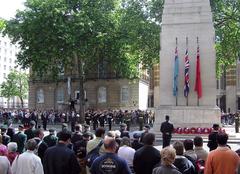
(186, 79)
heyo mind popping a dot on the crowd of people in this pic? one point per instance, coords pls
(29, 150)
(92, 117)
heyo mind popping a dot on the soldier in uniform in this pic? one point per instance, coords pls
(102, 118)
(109, 119)
(140, 119)
(167, 130)
(128, 118)
(88, 117)
(20, 138)
(95, 116)
(212, 138)
(51, 139)
(123, 130)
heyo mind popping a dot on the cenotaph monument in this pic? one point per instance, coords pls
(187, 24)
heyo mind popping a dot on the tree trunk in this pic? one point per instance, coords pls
(81, 90)
(21, 101)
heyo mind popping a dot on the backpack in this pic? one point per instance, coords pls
(93, 154)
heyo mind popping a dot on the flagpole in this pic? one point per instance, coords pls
(197, 53)
(176, 95)
(188, 72)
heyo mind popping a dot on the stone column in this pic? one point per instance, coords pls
(187, 19)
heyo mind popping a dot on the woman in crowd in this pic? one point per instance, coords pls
(168, 155)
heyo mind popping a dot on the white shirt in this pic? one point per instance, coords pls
(27, 163)
(127, 153)
(4, 165)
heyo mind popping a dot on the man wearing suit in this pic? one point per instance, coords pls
(60, 159)
(31, 130)
(50, 139)
(167, 130)
(20, 138)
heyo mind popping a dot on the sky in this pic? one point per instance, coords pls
(8, 8)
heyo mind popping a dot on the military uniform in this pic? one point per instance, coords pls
(50, 140)
(20, 138)
(166, 129)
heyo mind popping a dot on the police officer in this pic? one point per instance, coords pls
(166, 129)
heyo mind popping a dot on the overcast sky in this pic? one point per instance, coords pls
(8, 7)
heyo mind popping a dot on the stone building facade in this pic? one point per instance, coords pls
(99, 93)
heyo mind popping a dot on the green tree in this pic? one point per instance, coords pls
(16, 84)
(74, 34)
(227, 25)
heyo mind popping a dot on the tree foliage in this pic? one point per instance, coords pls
(227, 26)
(16, 84)
(74, 34)
(50, 32)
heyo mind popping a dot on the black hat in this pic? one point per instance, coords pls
(147, 126)
(51, 130)
(136, 135)
(215, 126)
(21, 126)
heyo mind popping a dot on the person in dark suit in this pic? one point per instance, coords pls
(30, 131)
(212, 138)
(51, 139)
(135, 143)
(10, 129)
(41, 145)
(20, 138)
(167, 130)
(60, 159)
(77, 135)
(147, 157)
(5, 138)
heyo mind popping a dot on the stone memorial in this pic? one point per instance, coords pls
(191, 23)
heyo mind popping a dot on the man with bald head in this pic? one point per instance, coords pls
(110, 162)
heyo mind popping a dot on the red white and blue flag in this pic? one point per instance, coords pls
(186, 75)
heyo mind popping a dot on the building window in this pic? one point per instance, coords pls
(4, 75)
(4, 67)
(5, 59)
(60, 95)
(77, 95)
(102, 95)
(124, 94)
(40, 96)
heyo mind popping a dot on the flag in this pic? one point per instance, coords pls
(198, 82)
(175, 74)
(186, 75)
